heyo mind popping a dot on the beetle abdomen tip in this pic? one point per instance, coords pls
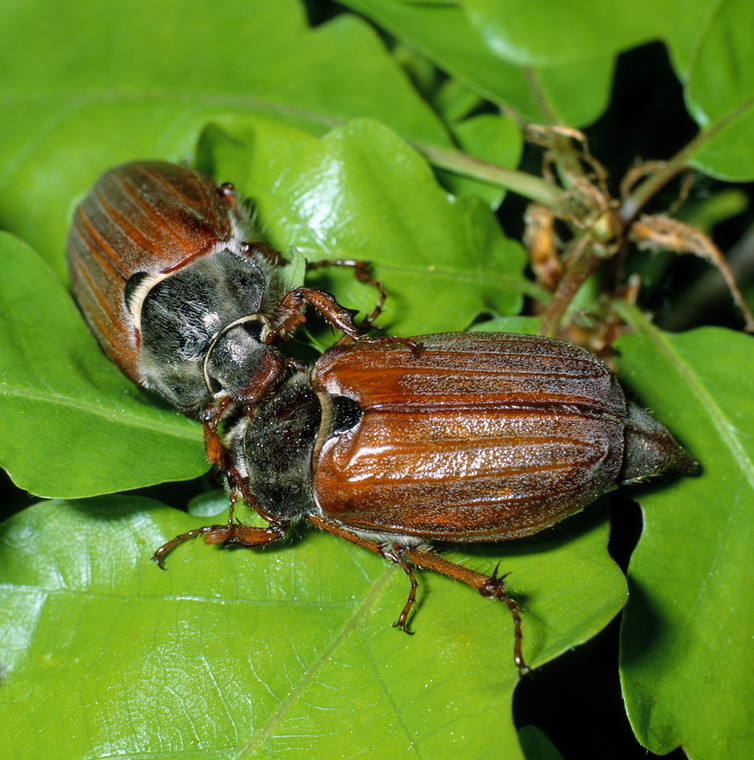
(650, 449)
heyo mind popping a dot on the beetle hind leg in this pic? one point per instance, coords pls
(492, 586)
(404, 556)
(495, 587)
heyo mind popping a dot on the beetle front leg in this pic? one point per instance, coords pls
(288, 314)
(221, 458)
(362, 272)
(230, 533)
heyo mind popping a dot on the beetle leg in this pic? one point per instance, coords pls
(362, 272)
(386, 551)
(265, 251)
(245, 535)
(393, 553)
(294, 365)
(221, 458)
(288, 313)
(217, 454)
(487, 585)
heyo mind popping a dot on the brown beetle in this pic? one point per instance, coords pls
(462, 437)
(178, 299)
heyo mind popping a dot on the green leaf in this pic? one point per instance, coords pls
(721, 74)
(686, 637)
(537, 746)
(549, 31)
(442, 260)
(515, 324)
(707, 212)
(490, 138)
(572, 92)
(70, 424)
(130, 80)
(720, 92)
(269, 653)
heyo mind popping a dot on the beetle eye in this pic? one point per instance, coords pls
(214, 385)
(254, 329)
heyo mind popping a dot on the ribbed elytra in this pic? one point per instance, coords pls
(461, 437)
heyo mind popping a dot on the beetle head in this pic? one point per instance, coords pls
(239, 363)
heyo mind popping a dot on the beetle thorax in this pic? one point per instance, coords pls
(200, 326)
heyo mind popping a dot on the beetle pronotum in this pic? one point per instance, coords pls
(176, 296)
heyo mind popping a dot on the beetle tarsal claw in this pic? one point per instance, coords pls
(495, 584)
(159, 555)
(403, 627)
(395, 554)
(495, 587)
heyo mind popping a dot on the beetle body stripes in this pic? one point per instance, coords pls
(388, 443)
(174, 294)
(462, 437)
(162, 274)
(469, 437)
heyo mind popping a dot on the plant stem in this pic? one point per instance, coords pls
(654, 182)
(632, 205)
(585, 261)
(531, 187)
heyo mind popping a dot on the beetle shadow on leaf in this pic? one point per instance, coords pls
(111, 507)
(551, 538)
(501, 556)
(660, 483)
(642, 626)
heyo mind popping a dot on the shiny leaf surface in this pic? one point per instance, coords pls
(85, 427)
(260, 654)
(686, 636)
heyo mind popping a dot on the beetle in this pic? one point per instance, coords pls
(175, 295)
(461, 437)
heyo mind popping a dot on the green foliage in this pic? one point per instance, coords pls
(289, 651)
(247, 654)
(443, 257)
(56, 380)
(687, 599)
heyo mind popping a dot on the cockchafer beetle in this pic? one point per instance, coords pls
(176, 296)
(462, 437)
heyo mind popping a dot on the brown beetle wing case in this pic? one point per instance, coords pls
(500, 434)
(149, 217)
